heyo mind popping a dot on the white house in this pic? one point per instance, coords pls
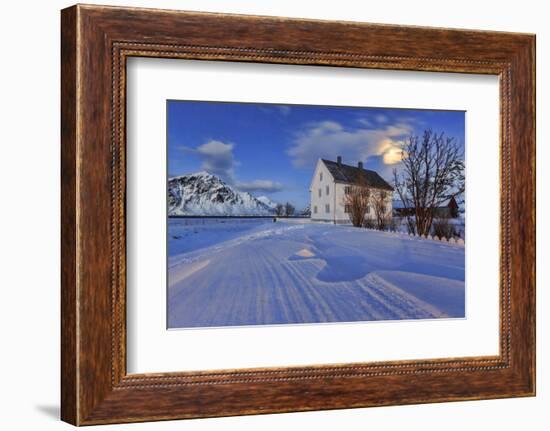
(330, 183)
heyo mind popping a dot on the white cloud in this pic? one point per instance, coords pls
(365, 122)
(275, 109)
(381, 118)
(260, 186)
(329, 139)
(284, 109)
(217, 158)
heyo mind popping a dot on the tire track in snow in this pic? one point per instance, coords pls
(259, 279)
(404, 305)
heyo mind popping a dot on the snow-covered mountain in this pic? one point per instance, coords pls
(205, 194)
(267, 202)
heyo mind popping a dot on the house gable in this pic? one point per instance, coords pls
(320, 167)
(322, 193)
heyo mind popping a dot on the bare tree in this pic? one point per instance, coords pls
(433, 172)
(279, 209)
(379, 203)
(356, 200)
(289, 209)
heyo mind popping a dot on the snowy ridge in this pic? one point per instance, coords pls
(267, 202)
(205, 194)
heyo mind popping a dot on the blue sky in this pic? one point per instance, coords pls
(271, 150)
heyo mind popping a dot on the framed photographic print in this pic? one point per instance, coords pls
(275, 195)
(268, 215)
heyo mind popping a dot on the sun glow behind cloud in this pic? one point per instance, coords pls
(327, 139)
(391, 151)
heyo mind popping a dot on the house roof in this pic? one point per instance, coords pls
(451, 202)
(347, 174)
(447, 203)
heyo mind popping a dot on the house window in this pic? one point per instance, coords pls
(328, 190)
(315, 209)
(347, 190)
(320, 176)
(327, 208)
(347, 209)
(320, 192)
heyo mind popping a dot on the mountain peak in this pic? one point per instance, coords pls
(202, 193)
(203, 174)
(199, 174)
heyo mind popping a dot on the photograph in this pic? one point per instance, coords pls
(302, 214)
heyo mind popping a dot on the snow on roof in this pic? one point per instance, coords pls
(347, 174)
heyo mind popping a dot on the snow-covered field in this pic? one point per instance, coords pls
(253, 271)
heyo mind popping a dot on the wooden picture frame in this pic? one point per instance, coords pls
(95, 43)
